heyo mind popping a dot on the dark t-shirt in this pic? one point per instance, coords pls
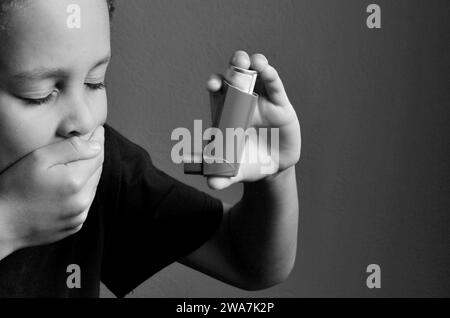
(141, 221)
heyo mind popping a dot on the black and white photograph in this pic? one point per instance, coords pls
(224, 150)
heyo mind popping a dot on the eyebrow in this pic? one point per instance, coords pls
(45, 73)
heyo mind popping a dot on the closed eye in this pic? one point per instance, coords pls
(49, 98)
(96, 86)
(39, 101)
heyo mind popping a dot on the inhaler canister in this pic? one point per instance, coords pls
(235, 112)
(242, 79)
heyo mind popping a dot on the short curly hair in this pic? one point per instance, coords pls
(6, 5)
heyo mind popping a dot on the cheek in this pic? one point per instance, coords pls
(99, 108)
(20, 132)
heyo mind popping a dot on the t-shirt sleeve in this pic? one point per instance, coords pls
(156, 221)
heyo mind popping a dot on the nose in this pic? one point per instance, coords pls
(77, 117)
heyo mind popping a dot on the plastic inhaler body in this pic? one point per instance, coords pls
(233, 116)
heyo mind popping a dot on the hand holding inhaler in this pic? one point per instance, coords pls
(235, 112)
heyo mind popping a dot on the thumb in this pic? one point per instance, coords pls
(219, 183)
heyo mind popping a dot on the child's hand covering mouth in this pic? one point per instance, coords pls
(46, 196)
(96, 134)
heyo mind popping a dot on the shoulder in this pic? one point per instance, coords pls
(124, 158)
(129, 170)
(125, 166)
(119, 146)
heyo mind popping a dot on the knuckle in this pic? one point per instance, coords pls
(37, 156)
(78, 228)
(83, 217)
(76, 223)
(81, 204)
(73, 185)
(79, 219)
(86, 201)
(75, 207)
(74, 229)
(70, 209)
(274, 72)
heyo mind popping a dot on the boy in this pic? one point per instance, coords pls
(73, 191)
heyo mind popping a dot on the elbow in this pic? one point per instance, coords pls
(266, 282)
(268, 279)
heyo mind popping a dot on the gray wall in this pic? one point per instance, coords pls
(374, 177)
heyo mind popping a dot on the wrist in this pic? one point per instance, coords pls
(278, 174)
(270, 184)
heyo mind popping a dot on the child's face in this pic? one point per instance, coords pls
(51, 75)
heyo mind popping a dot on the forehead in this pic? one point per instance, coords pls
(38, 34)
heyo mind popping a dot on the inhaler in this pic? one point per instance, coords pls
(234, 112)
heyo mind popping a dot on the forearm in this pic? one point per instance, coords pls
(264, 226)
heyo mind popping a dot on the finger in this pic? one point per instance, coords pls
(81, 170)
(220, 183)
(214, 83)
(92, 192)
(76, 208)
(271, 80)
(76, 174)
(216, 100)
(71, 231)
(68, 150)
(98, 135)
(240, 59)
(258, 62)
(80, 218)
(92, 184)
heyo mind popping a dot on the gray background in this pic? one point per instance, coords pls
(374, 176)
